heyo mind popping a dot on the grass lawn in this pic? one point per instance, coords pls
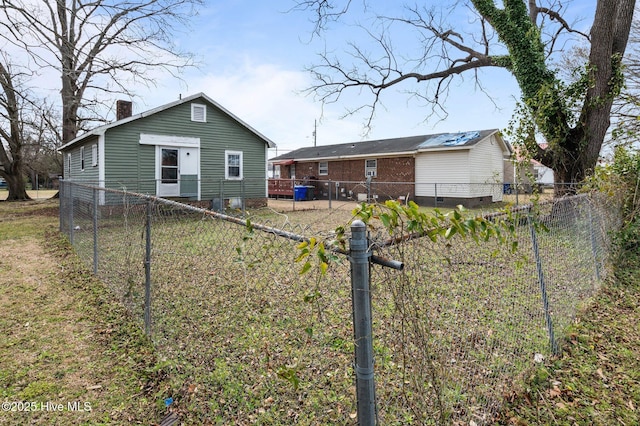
(69, 354)
(70, 342)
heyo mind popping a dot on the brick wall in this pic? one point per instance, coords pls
(350, 174)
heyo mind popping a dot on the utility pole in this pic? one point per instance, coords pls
(315, 132)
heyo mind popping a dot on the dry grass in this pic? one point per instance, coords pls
(65, 341)
(41, 194)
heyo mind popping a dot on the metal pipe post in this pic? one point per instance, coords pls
(594, 242)
(362, 328)
(435, 195)
(543, 286)
(70, 212)
(95, 231)
(147, 273)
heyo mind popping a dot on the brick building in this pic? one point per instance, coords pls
(468, 167)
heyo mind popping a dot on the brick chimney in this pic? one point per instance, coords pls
(124, 109)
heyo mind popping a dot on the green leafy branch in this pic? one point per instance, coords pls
(404, 221)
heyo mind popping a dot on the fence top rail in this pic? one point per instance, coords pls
(239, 221)
(222, 216)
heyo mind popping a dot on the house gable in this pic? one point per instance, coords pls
(130, 149)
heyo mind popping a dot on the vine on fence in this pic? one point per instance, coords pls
(405, 221)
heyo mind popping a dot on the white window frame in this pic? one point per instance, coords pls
(94, 155)
(323, 168)
(82, 158)
(371, 170)
(227, 154)
(292, 171)
(195, 115)
(276, 171)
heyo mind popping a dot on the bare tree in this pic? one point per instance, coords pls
(13, 132)
(97, 46)
(522, 37)
(626, 108)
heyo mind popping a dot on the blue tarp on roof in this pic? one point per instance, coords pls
(449, 139)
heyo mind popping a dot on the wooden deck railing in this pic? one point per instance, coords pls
(280, 187)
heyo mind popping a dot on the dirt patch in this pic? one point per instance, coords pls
(290, 205)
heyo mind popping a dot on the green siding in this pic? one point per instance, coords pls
(89, 175)
(132, 165)
(90, 172)
(188, 185)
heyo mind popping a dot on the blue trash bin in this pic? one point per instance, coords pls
(299, 193)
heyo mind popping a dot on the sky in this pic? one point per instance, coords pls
(254, 57)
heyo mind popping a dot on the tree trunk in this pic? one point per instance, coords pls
(17, 188)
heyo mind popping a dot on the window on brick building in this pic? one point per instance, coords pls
(371, 168)
(323, 168)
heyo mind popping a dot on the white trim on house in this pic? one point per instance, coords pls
(349, 157)
(94, 155)
(177, 141)
(227, 153)
(181, 144)
(101, 161)
(199, 113)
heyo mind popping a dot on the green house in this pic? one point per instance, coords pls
(191, 149)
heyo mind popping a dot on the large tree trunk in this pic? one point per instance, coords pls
(575, 155)
(16, 182)
(17, 189)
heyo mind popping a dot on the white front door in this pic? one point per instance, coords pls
(189, 172)
(169, 172)
(189, 161)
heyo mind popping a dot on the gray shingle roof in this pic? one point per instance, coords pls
(410, 144)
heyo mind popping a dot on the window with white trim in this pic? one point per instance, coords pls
(199, 113)
(323, 168)
(371, 168)
(292, 171)
(94, 155)
(276, 171)
(82, 158)
(233, 165)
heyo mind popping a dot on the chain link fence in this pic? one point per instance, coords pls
(427, 194)
(255, 341)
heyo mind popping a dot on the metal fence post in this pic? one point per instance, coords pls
(242, 196)
(435, 195)
(293, 187)
(543, 286)
(594, 242)
(95, 231)
(362, 328)
(329, 194)
(147, 273)
(62, 200)
(70, 212)
(221, 206)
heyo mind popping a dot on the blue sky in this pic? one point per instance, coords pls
(254, 55)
